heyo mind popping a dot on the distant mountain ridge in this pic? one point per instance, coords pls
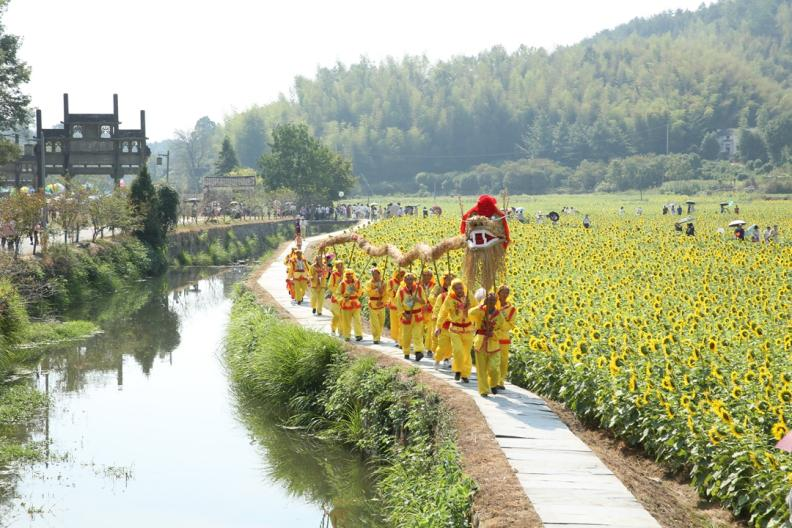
(653, 85)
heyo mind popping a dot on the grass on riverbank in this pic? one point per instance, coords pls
(307, 380)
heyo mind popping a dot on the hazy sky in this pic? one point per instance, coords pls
(182, 59)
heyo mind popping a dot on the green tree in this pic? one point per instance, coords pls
(25, 210)
(779, 138)
(752, 146)
(194, 151)
(227, 159)
(13, 103)
(252, 140)
(300, 162)
(710, 148)
(157, 209)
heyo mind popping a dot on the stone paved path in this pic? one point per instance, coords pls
(567, 484)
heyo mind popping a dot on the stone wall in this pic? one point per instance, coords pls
(198, 240)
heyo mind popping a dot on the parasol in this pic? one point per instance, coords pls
(785, 444)
(735, 223)
(724, 204)
(192, 200)
(690, 202)
(684, 220)
(233, 203)
(552, 215)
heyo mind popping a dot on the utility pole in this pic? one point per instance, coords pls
(668, 133)
(167, 165)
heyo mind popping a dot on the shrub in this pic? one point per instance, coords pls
(307, 380)
(13, 317)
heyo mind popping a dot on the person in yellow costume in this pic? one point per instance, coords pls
(376, 292)
(317, 282)
(349, 300)
(442, 338)
(332, 286)
(289, 271)
(509, 313)
(300, 274)
(489, 325)
(428, 285)
(393, 287)
(410, 301)
(454, 319)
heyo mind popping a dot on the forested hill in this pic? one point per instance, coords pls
(664, 82)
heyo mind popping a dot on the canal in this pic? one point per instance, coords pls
(143, 428)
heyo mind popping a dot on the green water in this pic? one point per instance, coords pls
(143, 429)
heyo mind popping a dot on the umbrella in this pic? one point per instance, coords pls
(724, 204)
(683, 220)
(690, 202)
(785, 444)
(552, 215)
(233, 203)
(735, 223)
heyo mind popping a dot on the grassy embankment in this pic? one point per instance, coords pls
(307, 380)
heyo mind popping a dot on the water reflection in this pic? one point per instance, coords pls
(142, 427)
(320, 472)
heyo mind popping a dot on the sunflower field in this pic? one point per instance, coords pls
(682, 345)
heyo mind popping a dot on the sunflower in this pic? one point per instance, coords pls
(715, 436)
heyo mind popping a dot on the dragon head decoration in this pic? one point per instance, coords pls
(487, 237)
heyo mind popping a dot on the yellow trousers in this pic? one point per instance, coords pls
(412, 333)
(335, 323)
(377, 322)
(317, 299)
(442, 350)
(350, 318)
(429, 338)
(395, 325)
(503, 369)
(299, 289)
(487, 367)
(460, 348)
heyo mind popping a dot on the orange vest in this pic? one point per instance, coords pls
(411, 304)
(350, 293)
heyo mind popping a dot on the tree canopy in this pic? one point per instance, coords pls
(668, 84)
(227, 159)
(301, 163)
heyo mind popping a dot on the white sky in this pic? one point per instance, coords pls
(182, 59)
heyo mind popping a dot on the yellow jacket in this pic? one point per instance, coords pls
(287, 262)
(391, 289)
(349, 294)
(377, 294)
(430, 299)
(509, 313)
(300, 269)
(489, 327)
(410, 304)
(454, 315)
(437, 303)
(318, 276)
(335, 281)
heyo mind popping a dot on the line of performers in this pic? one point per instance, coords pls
(443, 321)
